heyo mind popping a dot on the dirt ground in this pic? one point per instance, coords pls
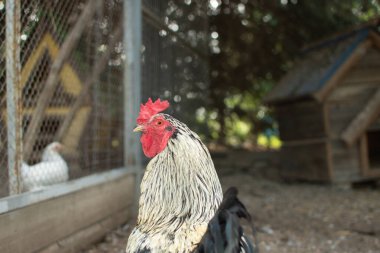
(297, 217)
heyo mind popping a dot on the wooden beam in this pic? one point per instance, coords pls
(329, 161)
(362, 121)
(329, 154)
(363, 153)
(53, 77)
(68, 77)
(82, 239)
(101, 63)
(305, 142)
(342, 71)
(75, 130)
(35, 227)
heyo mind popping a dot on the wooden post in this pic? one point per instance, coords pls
(101, 63)
(53, 77)
(367, 171)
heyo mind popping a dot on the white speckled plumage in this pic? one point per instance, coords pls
(180, 193)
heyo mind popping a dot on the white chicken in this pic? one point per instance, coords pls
(51, 170)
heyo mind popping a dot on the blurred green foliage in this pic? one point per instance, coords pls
(253, 44)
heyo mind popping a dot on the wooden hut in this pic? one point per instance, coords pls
(328, 110)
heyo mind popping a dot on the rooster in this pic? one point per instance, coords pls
(51, 170)
(181, 206)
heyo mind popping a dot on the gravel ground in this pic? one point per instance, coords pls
(297, 218)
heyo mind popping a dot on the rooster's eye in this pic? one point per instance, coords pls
(159, 122)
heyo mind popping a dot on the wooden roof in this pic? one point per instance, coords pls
(321, 66)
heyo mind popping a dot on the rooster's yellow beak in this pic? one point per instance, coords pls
(138, 129)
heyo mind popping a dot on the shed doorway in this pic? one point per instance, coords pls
(373, 147)
(370, 152)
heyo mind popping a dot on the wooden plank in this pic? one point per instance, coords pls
(299, 121)
(366, 71)
(346, 92)
(369, 60)
(346, 162)
(329, 157)
(305, 162)
(326, 122)
(343, 70)
(74, 132)
(37, 226)
(366, 85)
(83, 238)
(52, 79)
(362, 120)
(364, 75)
(364, 161)
(329, 160)
(11, 203)
(304, 142)
(342, 112)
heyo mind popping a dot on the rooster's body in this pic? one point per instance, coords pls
(180, 191)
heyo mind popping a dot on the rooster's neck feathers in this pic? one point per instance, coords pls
(180, 184)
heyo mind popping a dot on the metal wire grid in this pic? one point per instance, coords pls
(187, 19)
(174, 58)
(96, 148)
(93, 138)
(44, 26)
(174, 66)
(3, 129)
(103, 138)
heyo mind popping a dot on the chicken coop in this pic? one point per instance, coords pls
(328, 109)
(72, 76)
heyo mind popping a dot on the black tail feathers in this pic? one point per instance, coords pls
(224, 233)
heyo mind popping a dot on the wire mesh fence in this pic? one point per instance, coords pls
(84, 110)
(174, 55)
(70, 88)
(3, 129)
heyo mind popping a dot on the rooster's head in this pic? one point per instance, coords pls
(156, 129)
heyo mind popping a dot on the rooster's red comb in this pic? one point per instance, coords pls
(151, 108)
